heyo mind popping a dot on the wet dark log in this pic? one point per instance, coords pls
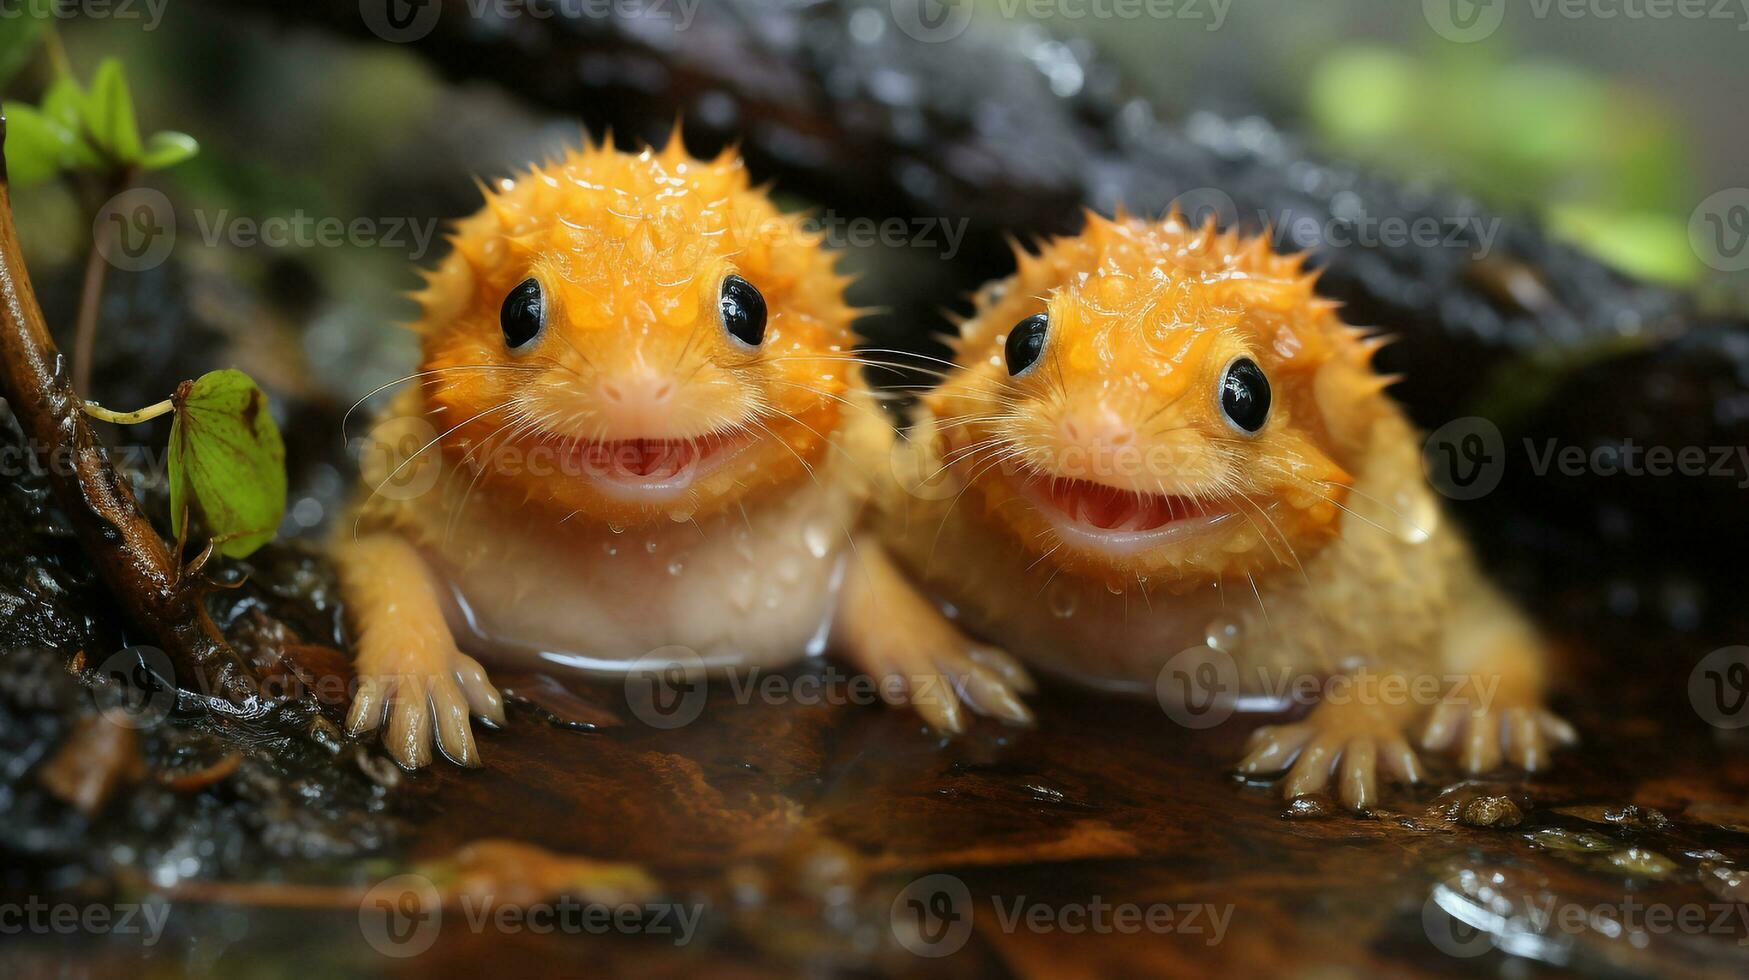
(1015, 131)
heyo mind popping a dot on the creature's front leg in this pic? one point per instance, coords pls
(915, 654)
(1491, 710)
(1494, 702)
(408, 663)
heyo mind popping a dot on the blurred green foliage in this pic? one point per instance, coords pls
(92, 129)
(18, 40)
(227, 459)
(1606, 167)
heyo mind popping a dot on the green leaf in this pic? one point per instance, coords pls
(227, 462)
(109, 114)
(167, 149)
(64, 101)
(34, 145)
(18, 42)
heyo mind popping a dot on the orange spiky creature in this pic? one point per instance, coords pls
(1167, 465)
(635, 441)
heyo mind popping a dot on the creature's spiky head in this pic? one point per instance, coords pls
(629, 336)
(1160, 401)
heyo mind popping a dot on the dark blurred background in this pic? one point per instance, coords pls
(1612, 128)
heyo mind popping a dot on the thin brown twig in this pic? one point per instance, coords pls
(91, 293)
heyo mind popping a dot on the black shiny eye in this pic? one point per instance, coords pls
(1025, 342)
(1245, 395)
(743, 310)
(523, 315)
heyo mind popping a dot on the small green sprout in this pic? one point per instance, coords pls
(86, 130)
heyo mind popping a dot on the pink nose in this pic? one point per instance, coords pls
(637, 402)
(638, 390)
(1097, 426)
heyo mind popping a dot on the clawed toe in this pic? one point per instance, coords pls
(982, 680)
(1483, 738)
(422, 709)
(1313, 755)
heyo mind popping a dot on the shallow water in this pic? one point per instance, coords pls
(796, 829)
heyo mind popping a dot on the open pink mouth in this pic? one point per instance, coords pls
(1111, 509)
(1096, 516)
(654, 467)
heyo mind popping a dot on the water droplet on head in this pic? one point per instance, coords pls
(741, 592)
(650, 546)
(675, 568)
(1063, 600)
(1223, 634)
(818, 538)
(1417, 517)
